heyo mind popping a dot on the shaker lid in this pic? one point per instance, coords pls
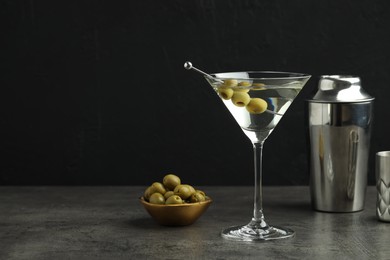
(340, 89)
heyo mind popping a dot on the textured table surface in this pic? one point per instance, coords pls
(110, 223)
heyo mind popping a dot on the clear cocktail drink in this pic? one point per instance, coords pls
(257, 101)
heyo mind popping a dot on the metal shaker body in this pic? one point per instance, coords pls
(340, 118)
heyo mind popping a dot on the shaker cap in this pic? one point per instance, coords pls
(340, 89)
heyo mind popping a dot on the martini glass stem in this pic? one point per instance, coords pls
(258, 216)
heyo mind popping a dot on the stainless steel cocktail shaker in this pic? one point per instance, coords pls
(340, 117)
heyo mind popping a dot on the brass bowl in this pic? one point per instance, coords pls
(176, 214)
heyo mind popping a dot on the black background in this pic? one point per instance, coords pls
(94, 92)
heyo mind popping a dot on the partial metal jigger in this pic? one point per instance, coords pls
(382, 174)
(188, 66)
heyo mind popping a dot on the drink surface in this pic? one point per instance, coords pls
(257, 107)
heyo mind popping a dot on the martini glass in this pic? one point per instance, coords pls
(257, 100)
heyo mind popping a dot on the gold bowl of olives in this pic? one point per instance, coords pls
(171, 203)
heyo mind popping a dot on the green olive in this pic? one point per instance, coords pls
(258, 86)
(184, 191)
(243, 84)
(201, 192)
(197, 197)
(230, 83)
(191, 188)
(225, 93)
(174, 199)
(149, 191)
(171, 191)
(168, 194)
(159, 187)
(157, 198)
(240, 99)
(170, 181)
(257, 106)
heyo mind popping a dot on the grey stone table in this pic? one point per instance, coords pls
(110, 223)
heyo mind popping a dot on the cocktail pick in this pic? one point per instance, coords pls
(188, 66)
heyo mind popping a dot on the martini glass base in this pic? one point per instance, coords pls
(254, 232)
